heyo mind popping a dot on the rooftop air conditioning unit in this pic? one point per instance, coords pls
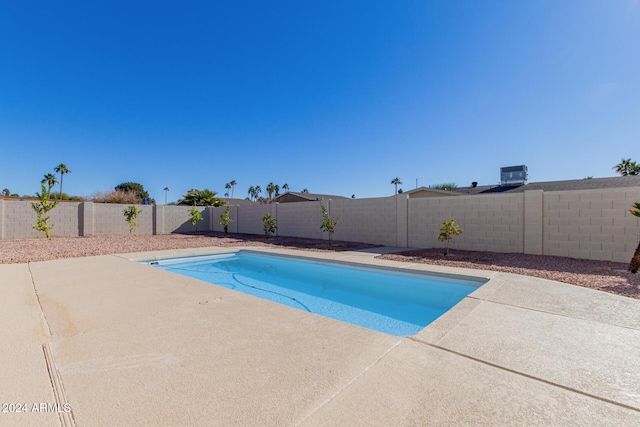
(514, 175)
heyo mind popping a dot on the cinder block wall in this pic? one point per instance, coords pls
(250, 218)
(233, 214)
(489, 223)
(18, 219)
(588, 224)
(109, 219)
(591, 224)
(301, 219)
(66, 219)
(175, 219)
(366, 220)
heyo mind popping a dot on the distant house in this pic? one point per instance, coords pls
(237, 202)
(573, 184)
(291, 196)
(431, 192)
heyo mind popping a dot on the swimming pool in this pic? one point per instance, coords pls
(387, 301)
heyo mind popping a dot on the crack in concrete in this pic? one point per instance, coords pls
(35, 290)
(345, 386)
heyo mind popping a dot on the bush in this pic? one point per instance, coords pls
(447, 231)
(225, 220)
(194, 216)
(42, 208)
(328, 224)
(137, 189)
(117, 196)
(197, 197)
(269, 225)
(131, 215)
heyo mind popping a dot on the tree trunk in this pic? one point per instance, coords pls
(634, 265)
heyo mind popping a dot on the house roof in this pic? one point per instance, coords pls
(436, 191)
(237, 202)
(573, 184)
(292, 195)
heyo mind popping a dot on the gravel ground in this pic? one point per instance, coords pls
(30, 250)
(602, 275)
(605, 276)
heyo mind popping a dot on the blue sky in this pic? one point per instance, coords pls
(337, 97)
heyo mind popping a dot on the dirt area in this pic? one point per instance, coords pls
(606, 276)
(602, 275)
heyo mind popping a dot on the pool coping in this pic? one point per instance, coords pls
(518, 350)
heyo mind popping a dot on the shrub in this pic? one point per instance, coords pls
(328, 224)
(634, 265)
(131, 215)
(137, 189)
(269, 225)
(117, 196)
(194, 216)
(447, 231)
(445, 186)
(204, 197)
(42, 208)
(225, 220)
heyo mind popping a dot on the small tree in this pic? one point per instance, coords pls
(194, 216)
(43, 207)
(328, 224)
(225, 219)
(447, 231)
(131, 215)
(268, 225)
(634, 265)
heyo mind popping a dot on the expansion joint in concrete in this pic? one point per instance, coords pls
(64, 410)
(345, 386)
(550, 313)
(531, 377)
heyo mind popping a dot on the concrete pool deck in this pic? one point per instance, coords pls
(125, 344)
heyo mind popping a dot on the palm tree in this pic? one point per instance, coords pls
(276, 188)
(304, 190)
(166, 191)
(285, 187)
(233, 186)
(627, 167)
(396, 181)
(634, 265)
(258, 191)
(270, 190)
(49, 179)
(61, 169)
(6, 192)
(252, 192)
(227, 186)
(204, 197)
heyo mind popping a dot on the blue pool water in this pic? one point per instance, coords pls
(385, 301)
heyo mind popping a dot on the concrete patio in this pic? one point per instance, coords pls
(126, 345)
